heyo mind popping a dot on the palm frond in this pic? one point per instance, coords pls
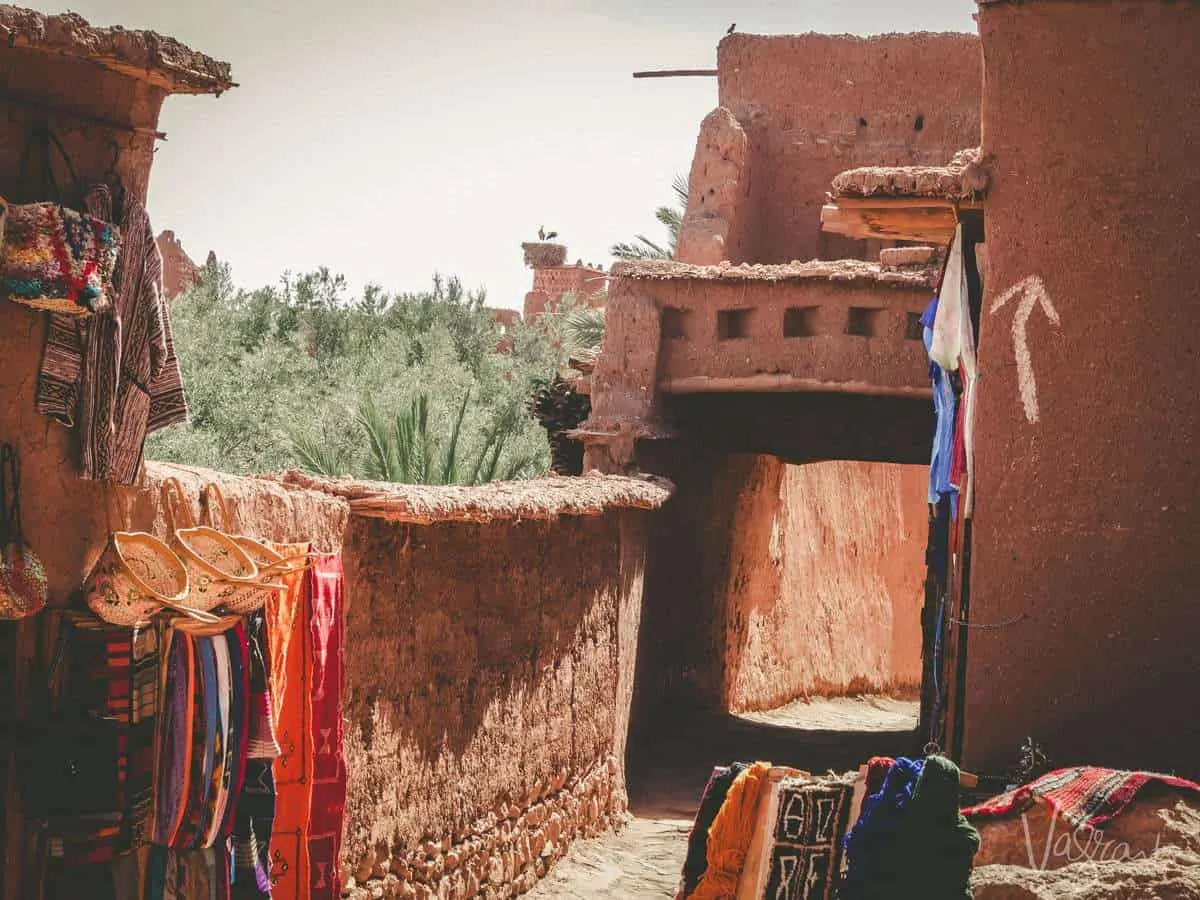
(450, 458)
(317, 457)
(380, 462)
(583, 328)
(682, 192)
(644, 248)
(518, 466)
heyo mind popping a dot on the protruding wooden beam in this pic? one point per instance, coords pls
(783, 382)
(677, 73)
(934, 224)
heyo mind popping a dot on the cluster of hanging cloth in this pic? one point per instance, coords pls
(894, 828)
(771, 831)
(224, 776)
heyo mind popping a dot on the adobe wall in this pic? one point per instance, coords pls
(826, 588)
(829, 333)
(60, 81)
(1087, 550)
(814, 105)
(767, 582)
(489, 677)
(550, 283)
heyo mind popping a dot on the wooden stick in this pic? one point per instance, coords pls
(676, 73)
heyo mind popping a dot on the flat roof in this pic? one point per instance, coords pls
(143, 55)
(852, 271)
(962, 179)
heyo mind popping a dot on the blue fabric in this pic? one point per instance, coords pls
(910, 839)
(878, 823)
(945, 407)
(212, 729)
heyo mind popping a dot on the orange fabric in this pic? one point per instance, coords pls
(288, 638)
(731, 833)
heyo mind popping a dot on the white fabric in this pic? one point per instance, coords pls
(953, 346)
(946, 347)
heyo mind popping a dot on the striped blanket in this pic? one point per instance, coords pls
(1083, 796)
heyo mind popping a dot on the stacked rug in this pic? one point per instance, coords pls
(1084, 796)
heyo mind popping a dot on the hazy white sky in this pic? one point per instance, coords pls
(390, 140)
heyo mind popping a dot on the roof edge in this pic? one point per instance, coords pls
(143, 55)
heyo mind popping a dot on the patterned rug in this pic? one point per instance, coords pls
(1083, 796)
(798, 854)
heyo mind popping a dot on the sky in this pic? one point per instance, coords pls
(390, 140)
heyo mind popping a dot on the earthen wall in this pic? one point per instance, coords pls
(489, 677)
(768, 582)
(551, 283)
(828, 600)
(827, 335)
(1087, 551)
(813, 105)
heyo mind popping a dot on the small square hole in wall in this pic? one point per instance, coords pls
(865, 321)
(800, 321)
(676, 323)
(733, 324)
(914, 331)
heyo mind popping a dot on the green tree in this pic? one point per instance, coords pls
(671, 217)
(277, 378)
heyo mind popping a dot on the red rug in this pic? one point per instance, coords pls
(1083, 796)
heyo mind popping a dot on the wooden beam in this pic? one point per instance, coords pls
(784, 383)
(677, 73)
(934, 224)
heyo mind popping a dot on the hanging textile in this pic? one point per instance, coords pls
(328, 807)
(944, 406)
(797, 849)
(711, 800)
(910, 839)
(187, 874)
(289, 639)
(203, 734)
(89, 821)
(731, 833)
(305, 631)
(952, 346)
(255, 815)
(118, 374)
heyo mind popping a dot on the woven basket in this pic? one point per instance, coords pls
(272, 566)
(219, 571)
(135, 577)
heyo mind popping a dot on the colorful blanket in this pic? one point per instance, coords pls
(1084, 796)
(305, 628)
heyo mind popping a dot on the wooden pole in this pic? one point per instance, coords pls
(677, 73)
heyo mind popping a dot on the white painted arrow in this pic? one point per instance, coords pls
(1032, 291)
